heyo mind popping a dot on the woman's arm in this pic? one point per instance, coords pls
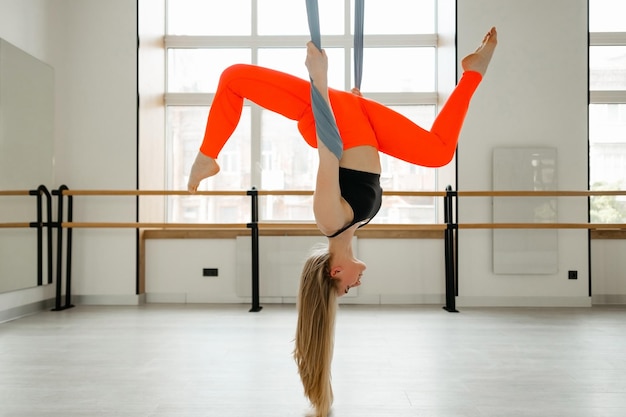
(331, 211)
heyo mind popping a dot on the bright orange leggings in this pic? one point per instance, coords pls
(360, 121)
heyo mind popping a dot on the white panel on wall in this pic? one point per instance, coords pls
(525, 251)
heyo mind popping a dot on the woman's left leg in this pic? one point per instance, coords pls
(401, 138)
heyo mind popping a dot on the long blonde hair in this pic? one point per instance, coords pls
(317, 308)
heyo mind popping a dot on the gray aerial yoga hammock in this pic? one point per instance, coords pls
(325, 124)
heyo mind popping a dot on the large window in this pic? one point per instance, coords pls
(266, 151)
(607, 108)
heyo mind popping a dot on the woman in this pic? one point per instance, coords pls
(347, 192)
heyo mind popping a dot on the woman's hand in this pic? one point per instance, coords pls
(317, 64)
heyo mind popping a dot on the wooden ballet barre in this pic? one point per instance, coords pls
(406, 227)
(415, 193)
(148, 192)
(14, 192)
(149, 225)
(592, 226)
(284, 192)
(230, 193)
(13, 225)
(230, 226)
(539, 193)
(385, 193)
(370, 226)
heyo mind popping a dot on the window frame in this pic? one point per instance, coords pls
(445, 79)
(603, 96)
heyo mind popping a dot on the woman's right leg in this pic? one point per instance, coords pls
(273, 90)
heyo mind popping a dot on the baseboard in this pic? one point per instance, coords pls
(464, 301)
(608, 299)
(25, 310)
(411, 299)
(157, 298)
(109, 300)
(185, 298)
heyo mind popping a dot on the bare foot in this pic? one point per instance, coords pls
(479, 60)
(203, 167)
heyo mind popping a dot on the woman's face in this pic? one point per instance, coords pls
(349, 275)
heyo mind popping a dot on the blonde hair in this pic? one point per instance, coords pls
(317, 308)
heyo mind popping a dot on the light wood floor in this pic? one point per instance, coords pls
(197, 360)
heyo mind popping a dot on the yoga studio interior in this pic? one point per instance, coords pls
(495, 284)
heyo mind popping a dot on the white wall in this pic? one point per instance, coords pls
(409, 271)
(96, 146)
(26, 24)
(608, 272)
(534, 94)
(91, 45)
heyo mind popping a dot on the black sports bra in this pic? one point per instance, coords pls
(363, 193)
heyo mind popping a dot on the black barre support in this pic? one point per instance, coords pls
(449, 246)
(39, 225)
(254, 227)
(449, 241)
(68, 253)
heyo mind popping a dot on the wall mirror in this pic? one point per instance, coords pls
(26, 160)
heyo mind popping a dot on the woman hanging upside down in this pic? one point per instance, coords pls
(347, 192)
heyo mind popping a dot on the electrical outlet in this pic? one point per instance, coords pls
(209, 272)
(572, 275)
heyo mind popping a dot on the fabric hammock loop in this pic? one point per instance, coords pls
(359, 17)
(325, 124)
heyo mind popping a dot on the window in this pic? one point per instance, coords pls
(607, 108)
(204, 37)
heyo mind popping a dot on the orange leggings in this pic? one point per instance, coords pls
(360, 121)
